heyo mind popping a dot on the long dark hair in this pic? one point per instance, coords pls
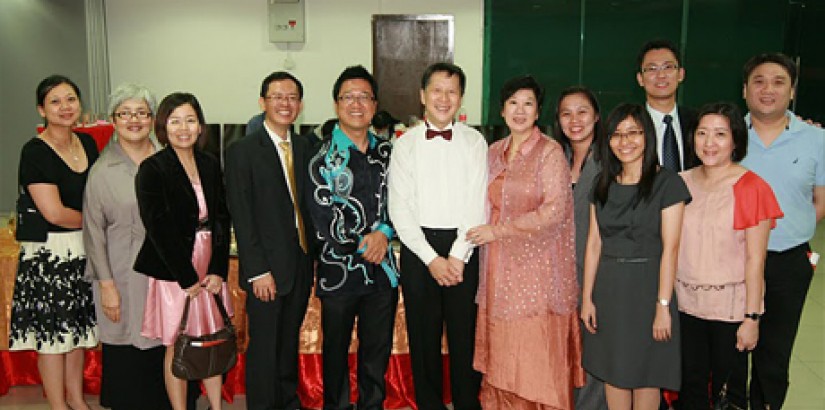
(611, 166)
(598, 127)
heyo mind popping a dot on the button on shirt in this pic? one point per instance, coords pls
(438, 184)
(659, 124)
(792, 165)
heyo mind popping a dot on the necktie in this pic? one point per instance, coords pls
(290, 174)
(670, 148)
(446, 134)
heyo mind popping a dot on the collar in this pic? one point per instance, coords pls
(118, 155)
(433, 127)
(793, 124)
(342, 143)
(525, 147)
(658, 117)
(276, 139)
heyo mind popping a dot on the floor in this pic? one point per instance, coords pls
(807, 391)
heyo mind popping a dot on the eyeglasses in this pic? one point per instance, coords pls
(127, 115)
(631, 134)
(279, 98)
(667, 68)
(351, 98)
(182, 122)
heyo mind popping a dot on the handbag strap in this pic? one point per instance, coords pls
(185, 317)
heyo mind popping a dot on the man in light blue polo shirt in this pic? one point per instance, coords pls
(790, 155)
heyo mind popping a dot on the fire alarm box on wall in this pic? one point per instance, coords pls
(286, 21)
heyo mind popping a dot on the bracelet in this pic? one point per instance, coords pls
(663, 302)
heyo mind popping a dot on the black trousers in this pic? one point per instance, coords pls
(376, 318)
(788, 276)
(429, 309)
(709, 357)
(272, 353)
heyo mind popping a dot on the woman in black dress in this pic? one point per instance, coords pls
(632, 343)
(52, 309)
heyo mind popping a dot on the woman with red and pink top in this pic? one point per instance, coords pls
(719, 281)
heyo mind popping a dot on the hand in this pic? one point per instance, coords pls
(212, 283)
(456, 269)
(661, 324)
(264, 288)
(588, 316)
(440, 271)
(481, 235)
(110, 300)
(193, 290)
(375, 247)
(747, 335)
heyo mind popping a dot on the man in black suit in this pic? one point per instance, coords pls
(660, 73)
(265, 174)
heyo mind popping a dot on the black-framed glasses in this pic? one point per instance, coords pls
(630, 134)
(127, 115)
(360, 98)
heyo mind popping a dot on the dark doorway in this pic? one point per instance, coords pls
(403, 46)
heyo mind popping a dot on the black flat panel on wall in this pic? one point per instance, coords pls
(534, 37)
(595, 42)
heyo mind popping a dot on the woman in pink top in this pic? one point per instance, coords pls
(719, 281)
(527, 335)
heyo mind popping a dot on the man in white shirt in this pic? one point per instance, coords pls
(660, 74)
(437, 183)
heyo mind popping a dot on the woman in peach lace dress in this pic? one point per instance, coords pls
(527, 336)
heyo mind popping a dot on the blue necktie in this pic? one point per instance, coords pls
(670, 148)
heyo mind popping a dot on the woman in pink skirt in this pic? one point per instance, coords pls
(180, 194)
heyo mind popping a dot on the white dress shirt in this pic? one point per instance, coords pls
(437, 184)
(660, 126)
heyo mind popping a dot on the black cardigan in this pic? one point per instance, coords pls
(169, 210)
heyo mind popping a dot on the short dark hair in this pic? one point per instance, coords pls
(776, 58)
(611, 167)
(598, 127)
(736, 122)
(48, 84)
(280, 76)
(354, 72)
(449, 68)
(658, 44)
(524, 82)
(169, 104)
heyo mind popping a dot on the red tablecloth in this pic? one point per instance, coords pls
(100, 132)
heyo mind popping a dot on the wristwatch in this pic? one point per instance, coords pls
(664, 302)
(753, 316)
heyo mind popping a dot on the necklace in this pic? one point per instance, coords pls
(72, 154)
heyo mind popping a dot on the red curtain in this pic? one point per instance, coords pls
(20, 368)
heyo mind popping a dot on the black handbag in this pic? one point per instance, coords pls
(31, 226)
(201, 357)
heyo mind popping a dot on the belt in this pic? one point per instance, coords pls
(623, 259)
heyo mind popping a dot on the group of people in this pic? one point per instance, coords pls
(588, 270)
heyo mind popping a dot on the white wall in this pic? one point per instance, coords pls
(220, 51)
(38, 38)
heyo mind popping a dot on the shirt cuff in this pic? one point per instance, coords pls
(385, 229)
(461, 250)
(258, 277)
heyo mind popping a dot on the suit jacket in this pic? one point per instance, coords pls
(169, 210)
(688, 120)
(258, 196)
